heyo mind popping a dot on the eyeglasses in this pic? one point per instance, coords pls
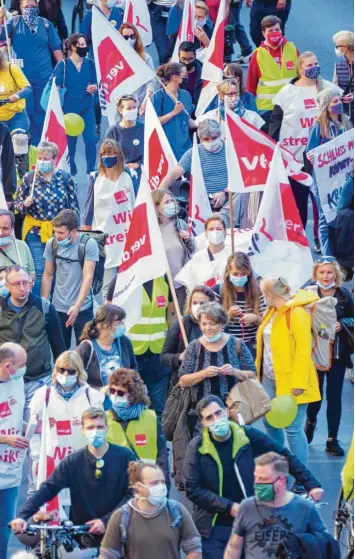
(69, 371)
(99, 465)
(129, 36)
(18, 284)
(325, 260)
(115, 392)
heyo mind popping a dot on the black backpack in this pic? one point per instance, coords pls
(99, 237)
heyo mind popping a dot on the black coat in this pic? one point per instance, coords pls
(319, 545)
(198, 84)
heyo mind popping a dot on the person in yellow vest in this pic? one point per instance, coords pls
(148, 337)
(130, 422)
(272, 65)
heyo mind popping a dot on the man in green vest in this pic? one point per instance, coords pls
(272, 65)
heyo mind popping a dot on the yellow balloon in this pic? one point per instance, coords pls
(283, 411)
(74, 124)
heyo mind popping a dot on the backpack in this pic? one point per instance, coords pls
(126, 510)
(99, 237)
(323, 319)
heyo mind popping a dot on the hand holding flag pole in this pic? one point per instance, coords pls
(171, 95)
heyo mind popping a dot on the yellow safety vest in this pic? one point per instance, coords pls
(142, 434)
(274, 77)
(149, 333)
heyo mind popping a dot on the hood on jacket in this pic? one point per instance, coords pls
(300, 299)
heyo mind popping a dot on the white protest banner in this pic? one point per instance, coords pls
(199, 204)
(144, 257)
(119, 69)
(113, 207)
(279, 245)
(333, 165)
(249, 153)
(159, 158)
(208, 93)
(53, 127)
(137, 13)
(186, 29)
(212, 69)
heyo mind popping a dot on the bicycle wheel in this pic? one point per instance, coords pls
(344, 525)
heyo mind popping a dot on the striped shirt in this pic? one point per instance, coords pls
(214, 168)
(236, 328)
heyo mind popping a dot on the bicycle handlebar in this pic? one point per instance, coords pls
(64, 528)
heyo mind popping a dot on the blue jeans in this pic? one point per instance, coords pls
(156, 378)
(8, 502)
(35, 112)
(19, 120)
(241, 36)
(296, 436)
(37, 250)
(89, 137)
(214, 546)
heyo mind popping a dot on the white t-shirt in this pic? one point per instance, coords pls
(12, 403)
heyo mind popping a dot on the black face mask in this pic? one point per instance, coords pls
(82, 51)
(189, 66)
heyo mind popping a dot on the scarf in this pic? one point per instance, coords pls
(66, 394)
(239, 109)
(132, 412)
(31, 18)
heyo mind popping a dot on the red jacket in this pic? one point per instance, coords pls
(254, 72)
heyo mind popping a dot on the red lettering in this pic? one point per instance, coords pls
(197, 214)
(122, 217)
(263, 231)
(307, 122)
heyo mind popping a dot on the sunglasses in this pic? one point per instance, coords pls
(126, 37)
(325, 260)
(69, 371)
(99, 465)
(115, 392)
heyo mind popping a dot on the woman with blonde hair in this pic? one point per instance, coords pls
(112, 183)
(284, 359)
(344, 69)
(327, 281)
(65, 400)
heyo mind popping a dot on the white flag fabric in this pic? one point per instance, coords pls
(208, 93)
(137, 13)
(279, 244)
(144, 257)
(249, 153)
(199, 204)
(53, 127)
(212, 69)
(119, 69)
(186, 29)
(159, 158)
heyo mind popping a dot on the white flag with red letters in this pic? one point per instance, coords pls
(159, 158)
(212, 69)
(143, 258)
(199, 205)
(120, 70)
(186, 29)
(249, 153)
(53, 127)
(279, 245)
(137, 13)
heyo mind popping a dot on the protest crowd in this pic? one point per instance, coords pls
(180, 332)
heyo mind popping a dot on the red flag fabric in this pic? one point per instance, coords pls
(136, 12)
(53, 128)
(186, 29)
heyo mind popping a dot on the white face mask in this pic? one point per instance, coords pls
(132, 42)
(200, 22)
(213, 145)
(130, 114)
(194, 310)
(66, 380)
(338, 52)
(215, 237)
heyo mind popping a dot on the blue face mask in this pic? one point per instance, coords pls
(119, 402)
(220, 428)
(44, 166)
(337, 109)
(325, 287)
(3, 290)
(20, 373)
(169, 209)
(111, 4)
(312, 73)
(238, 282)
(214, 338)
(109, 161)
(5, 241)
(95, 437)
(119, 331)
(65, 242)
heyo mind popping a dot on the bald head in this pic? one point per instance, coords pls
(12, 358)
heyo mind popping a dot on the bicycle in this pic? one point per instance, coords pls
(58, 542)
(344, 524)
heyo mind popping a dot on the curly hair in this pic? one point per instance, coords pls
(135, 471)
(132, 382)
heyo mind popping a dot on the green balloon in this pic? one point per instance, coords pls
(283, 411)
(74, 124)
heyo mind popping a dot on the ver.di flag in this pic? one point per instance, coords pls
(137, 13)
(143, 258)
(186, 29)
(208, 93)
(53, 127)
(159, 158)
(199, 205)
(279, 244)
(119, 69)
(249, 153)
(212, 69)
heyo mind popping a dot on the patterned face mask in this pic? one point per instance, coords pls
(31, 19)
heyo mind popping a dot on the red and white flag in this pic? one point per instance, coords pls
(199, 204)
(208, 93)
(143, 258)
(212, 69)
(279, 244)
(119, 69)
(159, 158)
(186, 29)
(137, 13)
(249, 153)
(53, 127)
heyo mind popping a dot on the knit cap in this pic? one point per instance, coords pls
(324, 97)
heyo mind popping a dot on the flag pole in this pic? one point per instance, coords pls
(170, 94)
(177, 308)
(18, 252)
(9, 48)
(231, 219)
